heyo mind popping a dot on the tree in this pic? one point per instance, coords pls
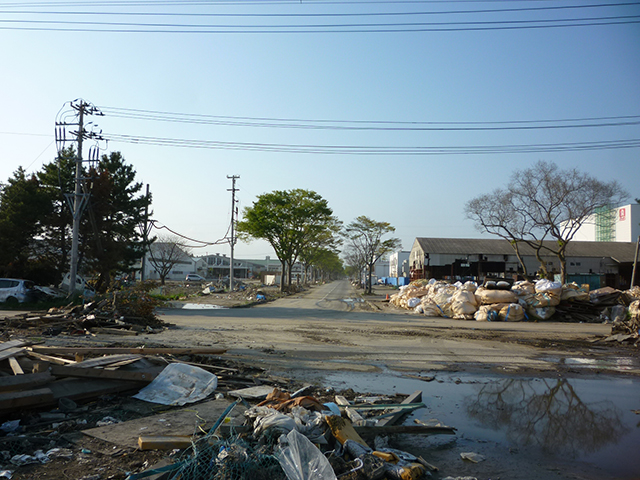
(115, 211)
(319, 246)
(543, 202)
(364, 237)
(289, 220)
(23, 204)
(57, 179)
(165, 253)
(328, 264)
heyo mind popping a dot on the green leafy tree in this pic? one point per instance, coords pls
(320, 245)
(328, 265)
(23, 204)
(289, 220)
(364, 240)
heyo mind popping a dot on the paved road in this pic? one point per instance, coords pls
(327, 328)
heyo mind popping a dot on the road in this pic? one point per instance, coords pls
(328, 328)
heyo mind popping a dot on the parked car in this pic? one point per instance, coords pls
(14, 290)
(192, 277)
(82, 286)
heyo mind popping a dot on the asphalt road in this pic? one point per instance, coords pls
(329, 327)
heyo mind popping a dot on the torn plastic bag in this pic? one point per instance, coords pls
(302, 460)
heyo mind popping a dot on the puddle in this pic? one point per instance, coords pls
(528, 422)
(200, 306)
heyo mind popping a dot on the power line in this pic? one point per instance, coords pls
(373, 150)
(314, 15)
(155, 224)
(131, 27)
(266, 122)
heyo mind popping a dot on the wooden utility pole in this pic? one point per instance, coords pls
(234, 215)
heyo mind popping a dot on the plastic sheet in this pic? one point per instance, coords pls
(302, 460)
(178, 384)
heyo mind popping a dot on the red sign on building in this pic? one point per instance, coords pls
(622, 214)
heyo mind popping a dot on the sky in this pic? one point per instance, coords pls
(280, 94)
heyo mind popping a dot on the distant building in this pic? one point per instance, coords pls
(620, 224)
(462, 258)
(399, 264)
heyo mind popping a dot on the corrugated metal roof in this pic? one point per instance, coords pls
(621, 251)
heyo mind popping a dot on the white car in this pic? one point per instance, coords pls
(14, 290)
(192, 277)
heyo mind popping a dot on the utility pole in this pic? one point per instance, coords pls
(145, 236)
(234, 216)
(80, 197)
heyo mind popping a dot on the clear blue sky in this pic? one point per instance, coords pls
(332, 74)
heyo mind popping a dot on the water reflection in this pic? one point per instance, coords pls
(546, 413)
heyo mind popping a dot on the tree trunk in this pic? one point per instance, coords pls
(369, 289)
(282, 277)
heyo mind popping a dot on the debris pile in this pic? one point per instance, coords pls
(55, 399)
(503, 301)
(122, 313)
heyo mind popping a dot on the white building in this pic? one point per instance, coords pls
(621, 224)
(399, 264)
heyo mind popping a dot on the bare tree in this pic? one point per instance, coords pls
(544, 203)
(165, 253)
(364, 236)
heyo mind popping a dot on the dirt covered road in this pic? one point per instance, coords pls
(330, 327)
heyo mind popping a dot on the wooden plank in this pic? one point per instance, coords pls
(49, 358)
(12, 344)
(166, 442)
(353, 415)
(259, 392)
(11, 352)
(140, 350)
(15, 366)
(26, 381)
(342, 430)
(413, 398)
(107, 360)
(113, 331)
(14, 400)
(397, 429)
(147, 376)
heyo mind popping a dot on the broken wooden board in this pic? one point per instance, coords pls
(12, 344)
(109, 360)
(259, 392)
(15, 366)
(164, 442)
(11, 401)
(134, 376)
(342, 430)
(198, 418)
(11, 352)
(24, 382)
(413, 398)
(49, 358)
(353, 415)
(140, 350)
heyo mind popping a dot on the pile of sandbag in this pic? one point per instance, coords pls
(498, 303)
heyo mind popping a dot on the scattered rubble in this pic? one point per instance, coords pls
(68, 406)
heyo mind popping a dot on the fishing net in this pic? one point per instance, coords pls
(234, 458)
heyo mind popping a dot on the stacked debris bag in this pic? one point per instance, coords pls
(498, 303)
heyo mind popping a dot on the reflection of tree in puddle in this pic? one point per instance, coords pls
(552, 417)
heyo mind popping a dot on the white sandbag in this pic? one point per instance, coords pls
(541, 313)
(547, 286)
(489, 297)
(413, 302)
(523, 288)
(489, 312)
(470, 286)
(464, 296)
(512, 313)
